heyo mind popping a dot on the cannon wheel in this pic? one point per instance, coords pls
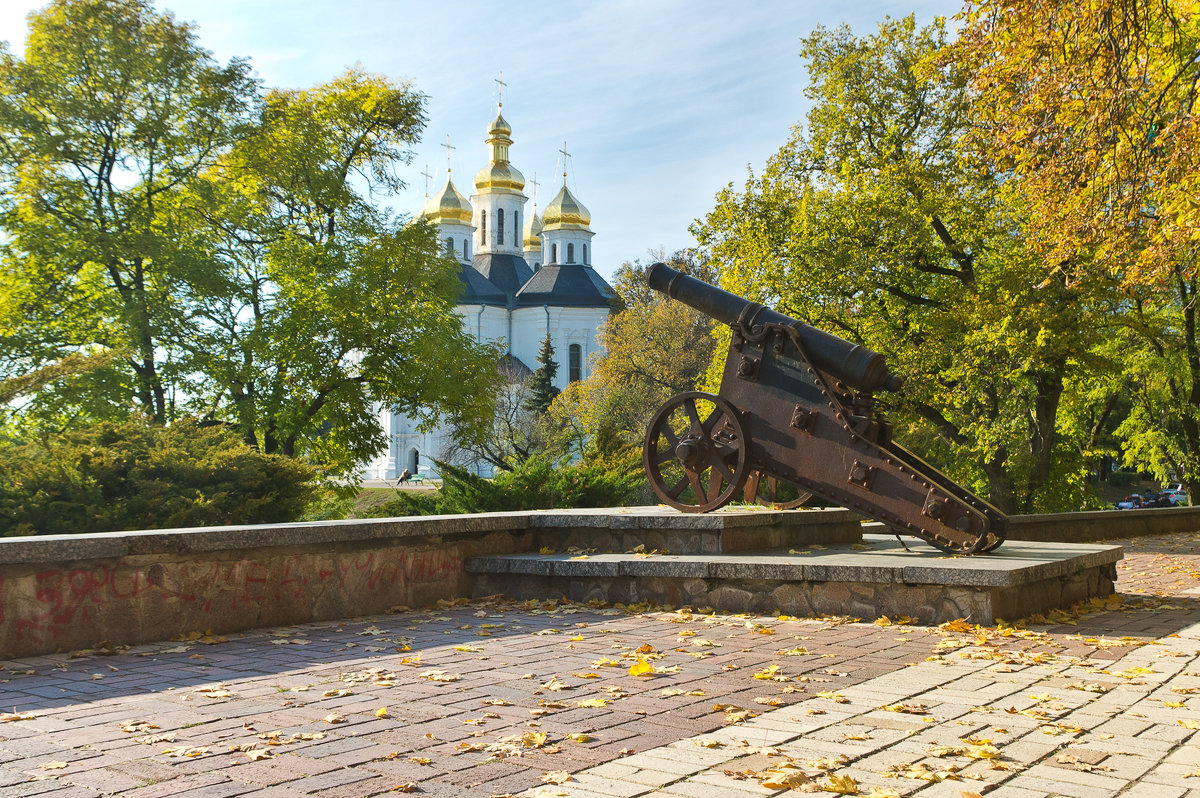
(763, 489)
(696, 452)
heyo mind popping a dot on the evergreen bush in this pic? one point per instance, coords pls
(536, 484)
(138, 475)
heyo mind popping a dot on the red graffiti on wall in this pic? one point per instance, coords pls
(66, 599)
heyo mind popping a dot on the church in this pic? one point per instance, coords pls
(524, 276)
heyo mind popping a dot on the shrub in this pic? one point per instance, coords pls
(537, 484)
(136, 475)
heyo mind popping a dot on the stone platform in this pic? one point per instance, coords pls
(874, 577)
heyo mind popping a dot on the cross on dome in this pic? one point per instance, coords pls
(500, 84)
(565, 156)
(427, 177)
(448, 147)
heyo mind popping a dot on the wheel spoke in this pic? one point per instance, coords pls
(694, 478)
(665, 456)
(711, 422)
(694, 415)
(679, 488)
(722, 468)
(714, 483)
(669, 434)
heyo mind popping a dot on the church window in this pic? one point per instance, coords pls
(449, 246)
(585, 260)
(570, 253)
(516, 227)
(576, 362)
(483, 227)
(465, 255)
(554, 253)
(500, 226)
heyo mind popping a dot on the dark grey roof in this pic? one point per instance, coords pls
(566, 284)
(513, 369)
(506, 272)
(478, 290)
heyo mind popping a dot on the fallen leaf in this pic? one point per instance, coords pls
(641, 668)
(555, 777)
(334, 717)
(52, 765)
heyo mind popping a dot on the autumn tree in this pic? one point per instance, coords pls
(112, 109)
(314, 308)
(206, 248)
(876, 222)
(1092, 108)
(654, 349)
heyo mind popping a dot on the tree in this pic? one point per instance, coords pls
(222, 247)
(321, 307)
(879, 225)
(654, 349)
(541, 385)
(1092, 108)
(112, 110)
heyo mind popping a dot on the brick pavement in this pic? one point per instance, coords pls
(485, 699)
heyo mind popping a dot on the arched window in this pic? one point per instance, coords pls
(576, 363)
(449, 246)
(483, 228)
(465, 255)
(500, 226)
(516, 227)
(554, 253)
(585, 260)
(570, 253)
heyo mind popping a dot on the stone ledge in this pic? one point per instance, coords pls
(885, 561)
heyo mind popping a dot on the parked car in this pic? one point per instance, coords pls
(1176, 494)
(1130, 502)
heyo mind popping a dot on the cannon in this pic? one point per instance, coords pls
(796, 418)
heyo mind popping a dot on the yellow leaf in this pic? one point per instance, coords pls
(256, 754)
(641, 668)
(707, 742)
(842, 785)
(556, 777)
(545, 550)
(52, 765)
(382, 713)
(1189, 724)
(784, 777)
(592, 703)
(406, 787)
(586, 675)
(605, 662)
(420, 760)
(883, 620)
(334, 717)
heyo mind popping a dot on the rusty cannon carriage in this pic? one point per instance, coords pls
(795, 418)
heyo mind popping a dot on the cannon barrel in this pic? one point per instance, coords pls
(854, 365)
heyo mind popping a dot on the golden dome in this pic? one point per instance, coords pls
(499, 174)
(499, 126)
(533, 231)
(564, 210)
(448, 205)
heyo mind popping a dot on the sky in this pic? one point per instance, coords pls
(660, 103)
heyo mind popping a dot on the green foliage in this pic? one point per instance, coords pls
(215, 250)
(1122, 479)
(541, 385)
(654, 349)
(136, 475)
(536, 484)
(877, 224)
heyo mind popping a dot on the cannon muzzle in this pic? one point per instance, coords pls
(854, 365)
